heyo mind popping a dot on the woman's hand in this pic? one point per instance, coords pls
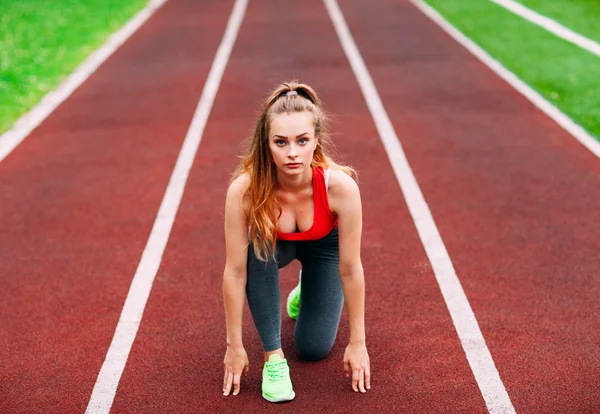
(357, 364)
(236, 363)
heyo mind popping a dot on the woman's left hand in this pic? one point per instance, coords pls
(357, 365)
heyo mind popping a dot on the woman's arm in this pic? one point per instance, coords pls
(234, 285)
(349, 211)
(346, 203)
(234, 275)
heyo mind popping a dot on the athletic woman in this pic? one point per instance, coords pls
(289, 200)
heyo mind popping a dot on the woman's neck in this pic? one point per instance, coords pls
(294, 183)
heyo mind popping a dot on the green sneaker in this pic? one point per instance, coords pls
(293, 300)
(276, 382)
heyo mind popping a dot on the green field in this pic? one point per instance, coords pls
(581, 16)
(42, 41)
(563, 73)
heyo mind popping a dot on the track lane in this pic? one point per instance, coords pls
(514, 198)
(78, 200)
(176, 362)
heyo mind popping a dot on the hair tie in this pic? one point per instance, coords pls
(291, 93)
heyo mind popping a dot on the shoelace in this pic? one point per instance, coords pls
(276, 371)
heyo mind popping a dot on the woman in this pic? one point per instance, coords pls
(289, 200)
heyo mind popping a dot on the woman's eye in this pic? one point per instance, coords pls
(303, 141)
(280, 143)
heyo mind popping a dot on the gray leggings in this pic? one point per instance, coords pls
(321, 295)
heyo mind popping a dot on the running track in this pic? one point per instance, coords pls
(513, 196)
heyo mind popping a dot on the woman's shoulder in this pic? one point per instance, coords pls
(340, 182)
(240, 183)
(341, 189)
(237, 190)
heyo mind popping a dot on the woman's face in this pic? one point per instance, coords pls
(292, 141)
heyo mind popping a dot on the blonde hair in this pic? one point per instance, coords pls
(264, 209)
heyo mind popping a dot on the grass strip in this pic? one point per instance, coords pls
(42, 42)
(564, 74)
(581, 16)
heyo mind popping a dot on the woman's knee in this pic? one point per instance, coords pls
(312, 351)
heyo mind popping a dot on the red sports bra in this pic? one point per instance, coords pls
(324, 221)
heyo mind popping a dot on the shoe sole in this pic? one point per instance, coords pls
(280, 399)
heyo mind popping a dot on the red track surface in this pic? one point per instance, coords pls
(514, 197)
(512, 194)
(78, 200)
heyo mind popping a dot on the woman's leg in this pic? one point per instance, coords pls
(262, 293)
(321, 297)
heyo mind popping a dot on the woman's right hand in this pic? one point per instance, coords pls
(236, 363)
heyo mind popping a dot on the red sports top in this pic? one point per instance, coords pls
(324, 221)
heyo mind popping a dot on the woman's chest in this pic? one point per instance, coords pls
(297, 212)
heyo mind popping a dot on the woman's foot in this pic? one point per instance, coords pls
(276, 382)
(293, 300)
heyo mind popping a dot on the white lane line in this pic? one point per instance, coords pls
(550, 25)
(538, 100)
(465, 323)
(141, 285)
(28, 122)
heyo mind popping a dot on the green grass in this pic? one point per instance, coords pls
(42, 41)
(581, 16)
(564, 74)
